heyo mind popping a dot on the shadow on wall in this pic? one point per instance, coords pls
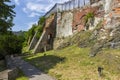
(46, 62)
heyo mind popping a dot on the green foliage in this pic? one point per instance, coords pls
(36, 28)
(41, 20)
(77, 61)
(40, 30)
(10, 44)
(40, 27)
(6, 15)
(31, 32)
(88, 16)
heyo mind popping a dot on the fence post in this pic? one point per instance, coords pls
(65, 6)
(84, 2)
(69, 4)
(73, 4)
(78, 3)
(62, 7)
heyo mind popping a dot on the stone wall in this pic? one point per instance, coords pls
(72, 22)
(60, 25)
(112, 13)
(46, 40)
(13, 73)
(78, 18)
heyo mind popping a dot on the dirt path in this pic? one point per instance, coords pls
(30, 71)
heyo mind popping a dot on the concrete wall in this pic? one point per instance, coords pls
(64, 24)
(33, 42)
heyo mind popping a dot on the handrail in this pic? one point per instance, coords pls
(69, 5)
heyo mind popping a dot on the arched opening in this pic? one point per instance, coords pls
(50, 38)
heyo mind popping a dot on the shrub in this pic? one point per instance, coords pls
(88, 16)
(10, 44)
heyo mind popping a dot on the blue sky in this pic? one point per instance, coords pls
(29, 11)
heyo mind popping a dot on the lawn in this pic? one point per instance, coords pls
(74, 63)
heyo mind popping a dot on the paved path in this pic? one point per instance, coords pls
(30, 71)
(4, 75)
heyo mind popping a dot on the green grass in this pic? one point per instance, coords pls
(74, 63)
(21, 76)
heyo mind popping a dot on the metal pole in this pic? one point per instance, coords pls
(84, 2)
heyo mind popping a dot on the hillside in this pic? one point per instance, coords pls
(74, 63)
(81, 43)
(74, 60)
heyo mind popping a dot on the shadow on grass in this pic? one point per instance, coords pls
(45, 63)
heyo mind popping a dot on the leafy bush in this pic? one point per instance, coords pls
(10, 44)
(40, 30)
(31, 32)
(41, 20)
(88, 16)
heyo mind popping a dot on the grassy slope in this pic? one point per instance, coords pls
(73, 63)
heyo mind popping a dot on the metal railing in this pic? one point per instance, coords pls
(70, 5)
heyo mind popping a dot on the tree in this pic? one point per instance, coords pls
(6, 15)
(10, 44)
(31, 33)
(41, 20)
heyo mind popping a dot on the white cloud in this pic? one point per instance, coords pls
(36, 7)
(30, 24)
(17, 2)
(25, 10)
(33, 14)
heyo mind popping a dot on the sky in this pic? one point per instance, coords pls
(28, 12)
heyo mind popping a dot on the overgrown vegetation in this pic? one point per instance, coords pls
(6, 16)
(39, 31)
(31, 32)
(73, 63)
(89, 19)
(36, 28)
(88, 16)
(10, 44)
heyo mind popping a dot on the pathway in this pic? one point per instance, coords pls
(30, 71)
